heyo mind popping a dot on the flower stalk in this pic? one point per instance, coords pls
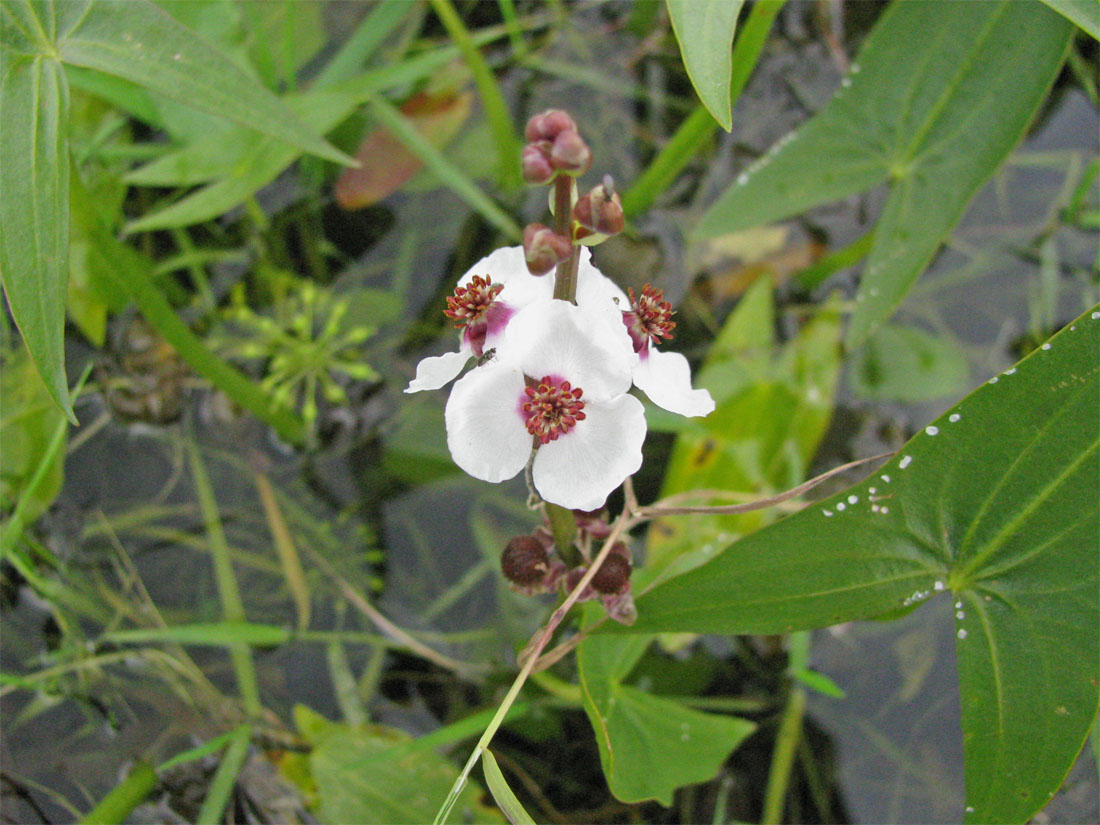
(565, 279)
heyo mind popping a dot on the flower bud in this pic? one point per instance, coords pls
(544, 248)
(524, 561)
(600, 210)
(548, 125)
(570, 154)
(535, 164)
(613, 575)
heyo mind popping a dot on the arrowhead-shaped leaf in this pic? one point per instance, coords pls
(937, 98)
(996, 502)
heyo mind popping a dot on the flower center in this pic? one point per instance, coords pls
(650, 318)
(551, 407)
(470, 303)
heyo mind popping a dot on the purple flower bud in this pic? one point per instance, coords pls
(524, 561)
(544, 249)
(600, 211)
(548, 125)
(536, 165)
(570, 154)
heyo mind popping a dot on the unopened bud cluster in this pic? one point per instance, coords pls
(555, 153)
(532, 565)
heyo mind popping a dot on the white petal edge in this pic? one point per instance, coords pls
(486, 434)
(436, 370)
(508, 266)
(582, 467)
(666, 378)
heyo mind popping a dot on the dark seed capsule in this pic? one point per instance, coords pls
(524, 561)
(613, 574)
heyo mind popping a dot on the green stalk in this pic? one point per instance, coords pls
(532, 652)
(700, 125)
(496, 110)
(228, 593)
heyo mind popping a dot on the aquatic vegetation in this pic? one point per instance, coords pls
(736, 406)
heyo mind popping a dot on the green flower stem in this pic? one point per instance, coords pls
(565, 278)
(531, 652)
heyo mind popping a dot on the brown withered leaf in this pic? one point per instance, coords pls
(386, 163)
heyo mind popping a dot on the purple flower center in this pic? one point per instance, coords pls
(551, 407)
(475, 310)
(649, 319)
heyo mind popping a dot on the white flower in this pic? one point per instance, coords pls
(558, 386)
(664, 376)
(487, 297)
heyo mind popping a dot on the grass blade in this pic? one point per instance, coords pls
(117, 805)
(502, 794)
(289, 560)
(496, 110)
(222, 785)
(138, 41)
(448, 173)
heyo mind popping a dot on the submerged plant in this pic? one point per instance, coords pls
(307, 343)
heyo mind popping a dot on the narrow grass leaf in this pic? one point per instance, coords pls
(364, 42)
(704, 29)
(211, 634)
(289, 560)
(496, 110)
(454, 178)
(221, 787)
(117, 805)
(225, 579)
(138, 41)
(34, 210)
(502, 794)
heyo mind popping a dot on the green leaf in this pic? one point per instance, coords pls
(117, 805)
(907, 364)
(140, 42)
(34, 209)
(502, 794)
(773, 407)
(363, 777)
(1085, 13)
(649, 745)
(29, 422)
(937, 98)
(994, 501)
(704, 29)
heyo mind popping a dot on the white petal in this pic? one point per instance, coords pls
(436, 370)
(666, 378)
(584, 345)
(593, 285)
(508, 266)
(485, 430)
(584, 465)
